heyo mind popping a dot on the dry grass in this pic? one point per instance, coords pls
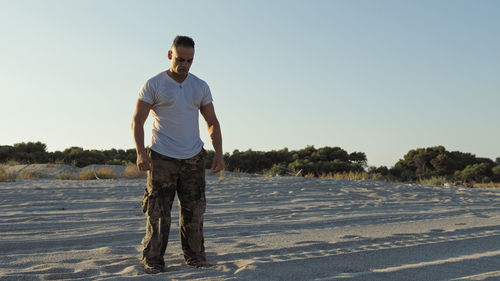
(29, 175)
(105, 173)
(346, 176)
(132, 172)
(352, 176)
(6, 176)
(87, 175)
(102, 173)
(309, 175)
(489, 184)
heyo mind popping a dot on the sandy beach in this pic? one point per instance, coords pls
(256, 228)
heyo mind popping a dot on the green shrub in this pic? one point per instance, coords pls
(434, 181)
(116, 162)
(277, 170)
(476, 173)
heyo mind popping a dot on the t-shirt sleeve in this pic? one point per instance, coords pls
(207, 95)
(147, 93)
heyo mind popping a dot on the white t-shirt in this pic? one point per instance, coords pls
(175, 108)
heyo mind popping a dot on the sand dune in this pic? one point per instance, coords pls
(53, 171)
(256, 228)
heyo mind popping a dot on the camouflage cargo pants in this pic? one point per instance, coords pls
(187, 178)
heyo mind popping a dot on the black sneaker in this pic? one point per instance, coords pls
(153, 269)
(197, 264)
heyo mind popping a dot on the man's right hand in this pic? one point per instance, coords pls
(144, 162)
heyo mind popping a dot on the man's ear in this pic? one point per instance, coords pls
(169, 54)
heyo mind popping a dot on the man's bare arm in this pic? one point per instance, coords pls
(141, 114)
(208, 113)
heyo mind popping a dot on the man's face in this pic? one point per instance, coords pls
(181, 59)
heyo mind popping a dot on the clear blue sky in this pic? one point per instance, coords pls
(380, 77)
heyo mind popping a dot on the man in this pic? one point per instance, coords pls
(175, 161)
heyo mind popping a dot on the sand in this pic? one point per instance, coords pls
(256, 228)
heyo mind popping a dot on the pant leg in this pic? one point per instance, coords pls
(157, 205)
(192, 204)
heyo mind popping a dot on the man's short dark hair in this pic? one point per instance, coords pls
(183, 41)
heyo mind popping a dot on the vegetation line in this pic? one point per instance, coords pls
(432, 165)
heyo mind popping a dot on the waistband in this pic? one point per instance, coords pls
(167, 158)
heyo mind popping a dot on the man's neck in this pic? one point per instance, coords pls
(177, 77)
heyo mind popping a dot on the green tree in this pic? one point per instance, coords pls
(435, 161)
(304, 153)
(6, 153)
(358, 158)
(30, 152)
(329, 154)
(495, 171)
(383, 170)
(476, 172)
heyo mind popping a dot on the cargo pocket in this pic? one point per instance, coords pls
(151, 205)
